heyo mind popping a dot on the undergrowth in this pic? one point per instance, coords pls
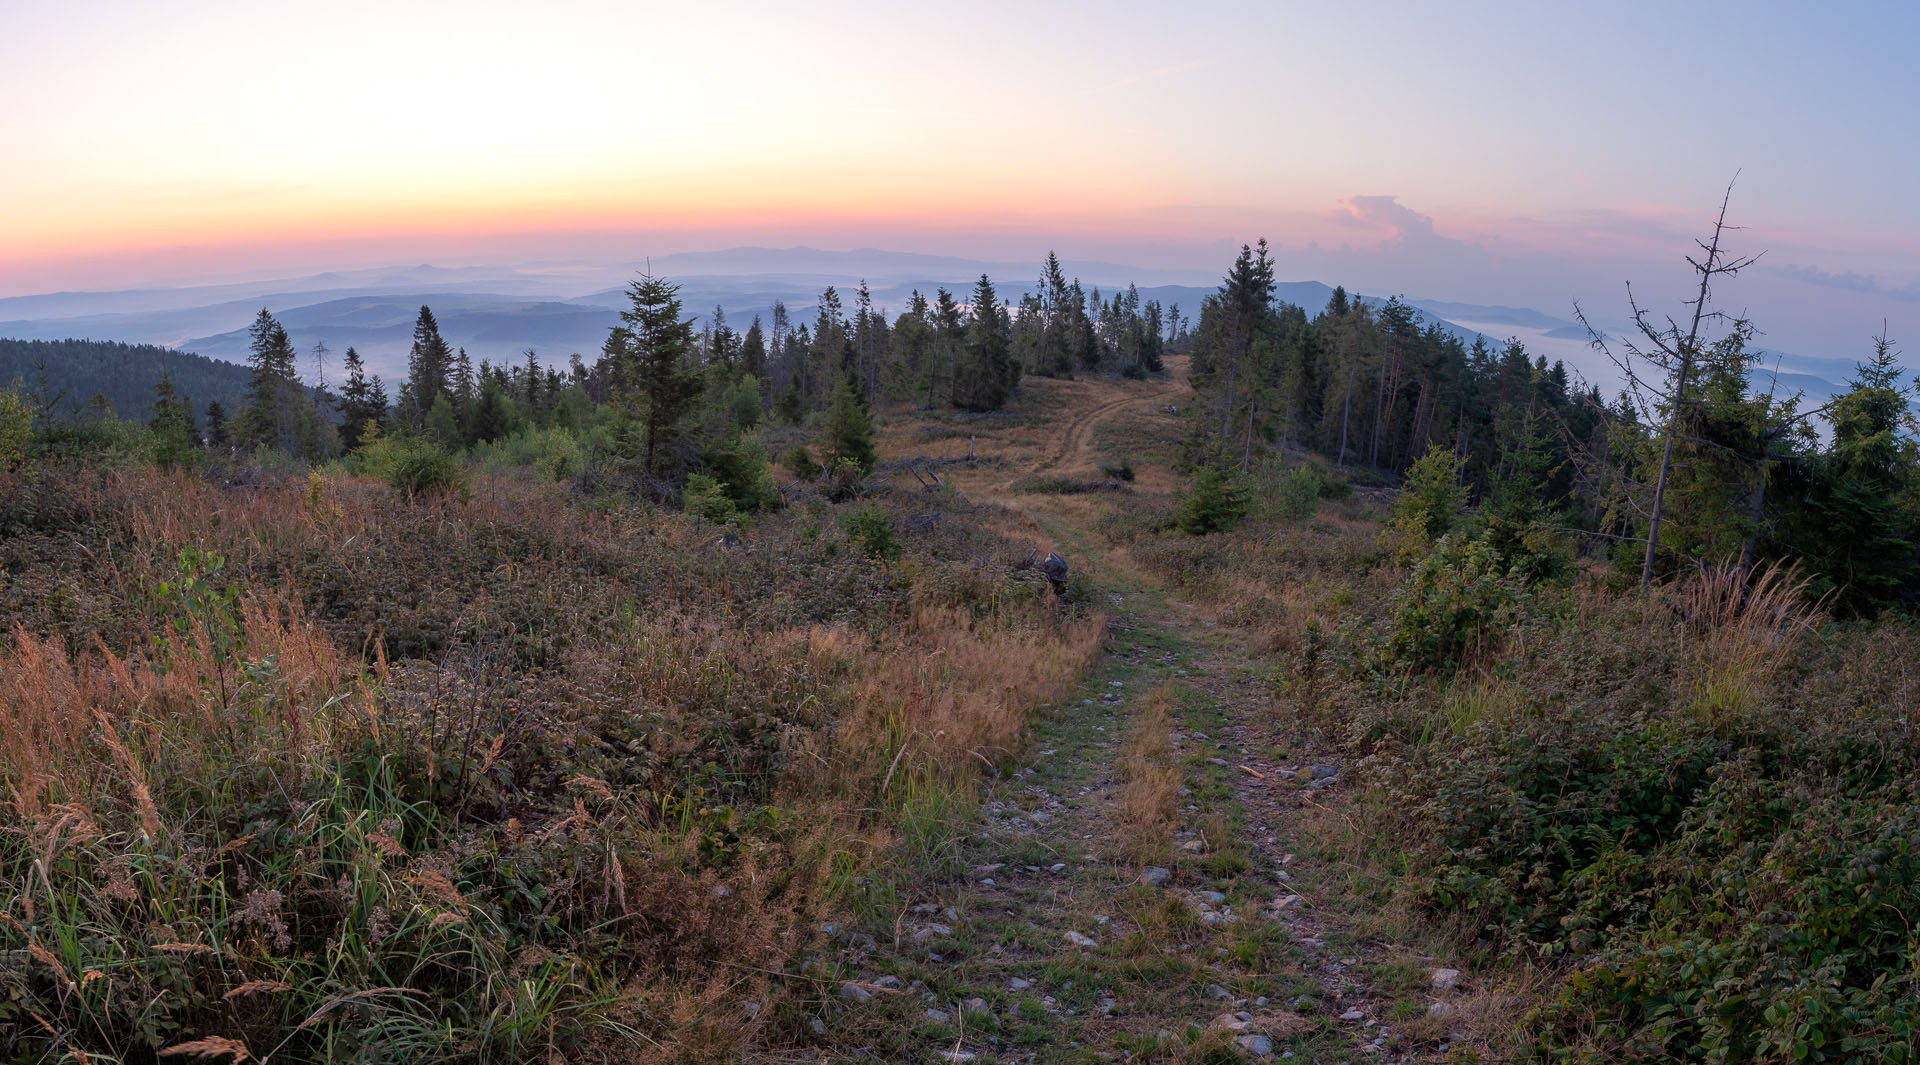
(1684, 819)
(321, 769)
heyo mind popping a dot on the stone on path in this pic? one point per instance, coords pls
(1080, 940)
(1257, 1045)
(1444, 979)
(1156, 876)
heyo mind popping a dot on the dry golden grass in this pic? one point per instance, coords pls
(1742, 632)
(75, 728)
(865, 739)
(1150, 781)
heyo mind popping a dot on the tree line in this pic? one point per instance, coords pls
(667, 408)
(1696, 462)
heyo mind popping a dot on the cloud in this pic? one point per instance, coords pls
(1848, 282)
(1387, 212)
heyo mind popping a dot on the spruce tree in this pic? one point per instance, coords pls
(429, 365)
(443, 425)
(847, 435)
(359, 406)
(462, 385)
(753, 351)
(651, 351)
(273, 389)
(216, 424)
(492, 416)
(171, 425)
(949, 333)
(1852, 517)
(791, 407)
(988, 372)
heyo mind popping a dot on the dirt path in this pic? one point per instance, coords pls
(1075, 442)
(1155, 882)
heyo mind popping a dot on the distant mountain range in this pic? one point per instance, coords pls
(557, 309)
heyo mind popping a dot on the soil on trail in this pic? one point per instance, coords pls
(1161, 875)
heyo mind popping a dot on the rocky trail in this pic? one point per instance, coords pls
(1161, 877)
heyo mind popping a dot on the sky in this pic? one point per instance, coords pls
(1530, 154)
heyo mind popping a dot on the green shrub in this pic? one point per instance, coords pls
(873, 531)
(1336, 487)
(1118, 469)
(744, 474)
(16, 428)
(1297, 495)
(1216, 503)
(1770, 929)
(413, 467)
(425, 469)
(707, 498)
(1429, 504)
(1456, 603)
(552, 454)
(843, 480)
(799, 462)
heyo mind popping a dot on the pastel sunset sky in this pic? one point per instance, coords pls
(1520, 153)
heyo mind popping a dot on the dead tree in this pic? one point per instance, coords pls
(1676, 353)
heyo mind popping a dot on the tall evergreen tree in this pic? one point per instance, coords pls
(847, 434)
(171, 423)
(429, 367)
(651, 351)
(1851, 513)
(271, 416)
(217, 434)
(753, 351)
(988, 373)
(360, 404)
(949, 334)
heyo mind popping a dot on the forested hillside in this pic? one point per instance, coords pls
(69, 374)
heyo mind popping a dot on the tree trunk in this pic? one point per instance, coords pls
(1246, 454)
(1346, 411)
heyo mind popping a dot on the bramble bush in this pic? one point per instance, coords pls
(1456, 604)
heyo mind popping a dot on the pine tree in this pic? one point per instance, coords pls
(429, 365)
(949, 333)
(462, 385)
(171, 424)
(651, 351)
(273, 389)
(988, 373)
(216, 424)
(492, 416)
(847, 435)
(753, 351)
(359, 406)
